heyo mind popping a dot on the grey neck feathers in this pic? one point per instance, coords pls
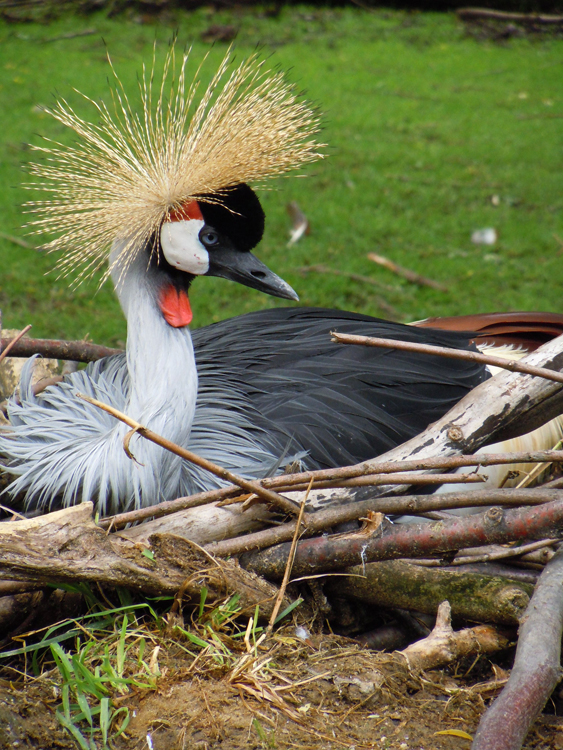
(161, 365)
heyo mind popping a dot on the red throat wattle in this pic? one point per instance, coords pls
(175, 306)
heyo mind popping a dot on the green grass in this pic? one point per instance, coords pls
(424, 126)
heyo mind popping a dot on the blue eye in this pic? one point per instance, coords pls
(209, 237)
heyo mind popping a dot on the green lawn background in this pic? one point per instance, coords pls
(424, 125)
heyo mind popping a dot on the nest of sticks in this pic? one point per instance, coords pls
(324, 540)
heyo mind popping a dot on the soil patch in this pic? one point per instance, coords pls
(326, 693)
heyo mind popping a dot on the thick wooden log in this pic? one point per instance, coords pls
(400, 585)
(67, 546)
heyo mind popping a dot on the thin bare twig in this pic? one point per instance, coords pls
(444, 351)
(70, 35)
(18, 241)
(494, 555)
(272, 497)
(289, 565)
(288, 482)
(168, 507)
(406, 273)
(376, 480)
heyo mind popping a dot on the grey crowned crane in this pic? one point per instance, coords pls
(164, 195)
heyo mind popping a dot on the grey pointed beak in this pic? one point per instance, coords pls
(245, 268)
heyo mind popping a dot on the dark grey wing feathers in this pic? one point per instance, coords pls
(343, 404)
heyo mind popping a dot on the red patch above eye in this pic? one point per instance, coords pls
(175, 306)
(185, 212)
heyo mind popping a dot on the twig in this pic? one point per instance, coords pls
(289, 565)
(538, 469)
(18, 241)
(7, 348)
(406, 273)
(71, 35)
(287, 482)
(536, 668)
(409, 504)
(444, 351)
(80, 351)
(377, 480)
(497, 554)
(168, 507)
(272, 497)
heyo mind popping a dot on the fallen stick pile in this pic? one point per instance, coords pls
(492, 565)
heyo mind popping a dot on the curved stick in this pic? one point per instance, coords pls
(250, 486)
(536, 668)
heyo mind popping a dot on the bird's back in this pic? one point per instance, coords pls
(341, 404)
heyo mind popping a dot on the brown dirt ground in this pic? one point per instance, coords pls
(327, 693)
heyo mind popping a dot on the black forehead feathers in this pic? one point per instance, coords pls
(239, 216)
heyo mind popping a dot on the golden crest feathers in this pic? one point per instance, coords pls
(131, 168)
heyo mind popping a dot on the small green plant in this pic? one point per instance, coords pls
(107, 658)
(94, 675)
(267, 740)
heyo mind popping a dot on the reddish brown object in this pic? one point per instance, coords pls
(536, 669)
(330, 553)
(78, 351)
(524, 329)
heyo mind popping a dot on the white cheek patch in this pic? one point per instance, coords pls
(182, 248)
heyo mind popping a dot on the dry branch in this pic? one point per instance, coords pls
(287, 482)
(404, 505)
(443, 645)
(495, 526)
(79, 351)
(447, 352)
(67, 546)
(537, 666)
(249, 485)
(406, 273)
(12, 343)
(399, 585)
(505, 406)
